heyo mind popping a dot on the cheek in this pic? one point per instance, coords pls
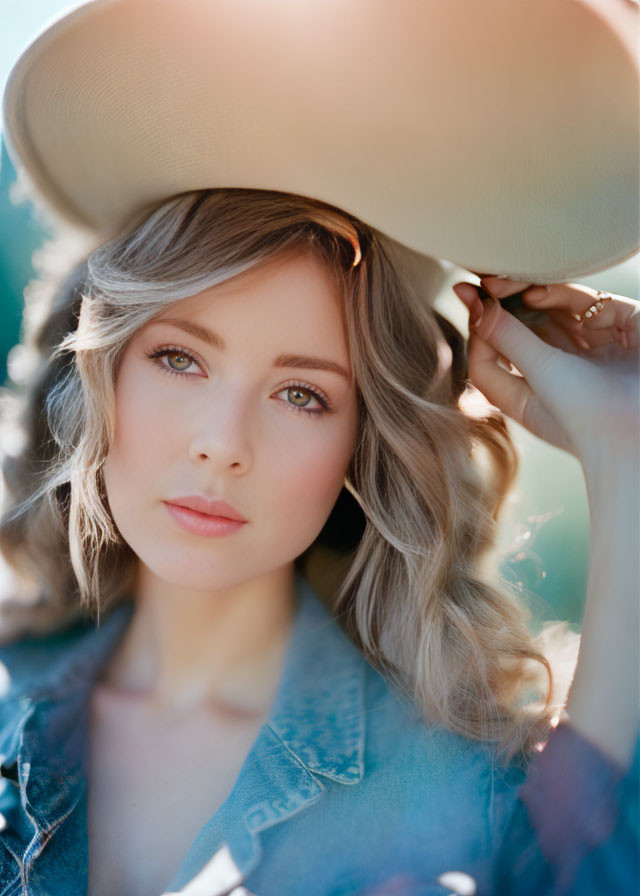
(310, 481)
(145, 417)
(140, 439)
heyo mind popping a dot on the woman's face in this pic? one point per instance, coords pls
(234, 394)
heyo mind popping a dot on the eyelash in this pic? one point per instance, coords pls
(158, 353)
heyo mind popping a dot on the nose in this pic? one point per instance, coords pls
(221, 435)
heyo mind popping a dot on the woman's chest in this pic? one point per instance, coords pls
(150, 791)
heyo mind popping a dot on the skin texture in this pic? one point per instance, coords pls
(594, 415)
(212, 614)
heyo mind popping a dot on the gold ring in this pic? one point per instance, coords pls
(595, 309)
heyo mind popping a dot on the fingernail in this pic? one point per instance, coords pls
(475, 313)
(582, 342)
(497, 289)
(466, 292)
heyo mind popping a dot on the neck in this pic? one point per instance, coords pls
(186, 651)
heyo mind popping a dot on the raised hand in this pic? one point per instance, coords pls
(573, 383)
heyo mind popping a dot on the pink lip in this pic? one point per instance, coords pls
(201, 516)
(209, 507)
(202, 523)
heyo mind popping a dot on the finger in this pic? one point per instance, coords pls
(501, 287)
(574, 333)
(511, 393)
(561, 332)
(616, 320)
(594, 333)
(615, 315)
(633, 326)
(489, 371)
(506, 338)
(504, 288)
(573, 298)
(590, 339)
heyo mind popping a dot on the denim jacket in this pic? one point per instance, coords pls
(344, 791)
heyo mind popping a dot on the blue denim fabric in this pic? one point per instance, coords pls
(344, 791)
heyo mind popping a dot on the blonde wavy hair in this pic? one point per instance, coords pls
(413, 534)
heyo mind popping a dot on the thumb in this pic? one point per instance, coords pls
(504, 334)
(533, 398)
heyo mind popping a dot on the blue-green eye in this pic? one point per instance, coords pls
(297, 393)
(298, 399)
(178, 361)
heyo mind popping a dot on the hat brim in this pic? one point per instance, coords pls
(501, 136)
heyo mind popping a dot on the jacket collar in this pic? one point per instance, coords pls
(318, 711)
(315, 727)
(319, 708)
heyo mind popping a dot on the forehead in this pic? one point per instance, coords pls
(280, 274)
(297, 286)
(289, 306)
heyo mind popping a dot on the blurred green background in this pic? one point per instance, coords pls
(545, 529)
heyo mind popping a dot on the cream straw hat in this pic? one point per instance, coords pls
(500, 135)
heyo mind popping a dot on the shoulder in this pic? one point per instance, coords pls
(429, 797)
(397, 730)
(430, 769)
(54, 660)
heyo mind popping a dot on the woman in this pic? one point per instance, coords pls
(197, 672)
(162, 389)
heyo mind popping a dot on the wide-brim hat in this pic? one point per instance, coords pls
(499, 135)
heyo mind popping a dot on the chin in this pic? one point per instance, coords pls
(198, 576)
(194, 570)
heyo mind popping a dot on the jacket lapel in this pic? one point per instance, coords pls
(43, 741)
(315, 730)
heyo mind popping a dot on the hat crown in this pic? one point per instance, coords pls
(435, 123)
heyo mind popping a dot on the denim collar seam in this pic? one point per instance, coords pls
(292, 752)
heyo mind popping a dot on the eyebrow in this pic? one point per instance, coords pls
(213, 339)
